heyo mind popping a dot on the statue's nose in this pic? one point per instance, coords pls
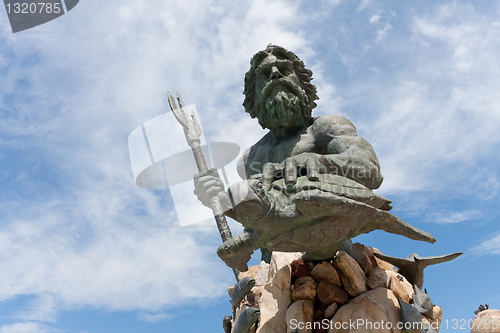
(275, 73)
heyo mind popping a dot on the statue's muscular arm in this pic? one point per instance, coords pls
(332, 147)
(345, 153)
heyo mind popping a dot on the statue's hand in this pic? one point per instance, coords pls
(208, 185)
(305, 164)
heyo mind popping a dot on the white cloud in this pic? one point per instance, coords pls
(330, 101)
(382, 33)
(486, 184)
(491, 246)
(363, 4)
(462, 58)
(84, 234)
(382, 21)
(379, 25)
(470, 40)
(441, 113)
(154, 318)
(451, 217)
(108, 257)
(28, 327)
(375, 18)
(44, 308)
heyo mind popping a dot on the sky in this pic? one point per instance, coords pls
(83, 249)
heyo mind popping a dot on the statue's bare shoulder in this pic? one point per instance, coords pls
(328, 134)
(333, 125)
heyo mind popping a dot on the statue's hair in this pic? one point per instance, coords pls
(304, 74)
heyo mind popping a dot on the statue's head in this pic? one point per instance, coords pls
(278, 91)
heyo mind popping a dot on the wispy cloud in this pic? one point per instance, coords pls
(375, 18)
(76, 231)
(451, 217)
(27, 327)
(489, 246)
(154, 318)
(381, 21)
(43, 308)
(363, 4)
(439, 121)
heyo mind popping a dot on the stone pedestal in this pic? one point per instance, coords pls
(352, 292)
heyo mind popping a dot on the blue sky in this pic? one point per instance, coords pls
(83, 249)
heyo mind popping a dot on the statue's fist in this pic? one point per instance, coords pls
(207, 185)
(305, 164)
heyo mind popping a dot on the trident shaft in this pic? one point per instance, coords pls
(192, 131)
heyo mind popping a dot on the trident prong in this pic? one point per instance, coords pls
(192, 131)
(193, 116)
(191, 126)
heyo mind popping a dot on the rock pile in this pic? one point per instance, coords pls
(353, 291)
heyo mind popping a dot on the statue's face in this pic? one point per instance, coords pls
(269, 73)
(280, 96)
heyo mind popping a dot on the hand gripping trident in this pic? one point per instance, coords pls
(192, 131)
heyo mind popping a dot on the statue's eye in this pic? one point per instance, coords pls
(285, 68)
(263, 73)
(285, 71)
(259, 186)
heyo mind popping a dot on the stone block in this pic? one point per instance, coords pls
(381, 263)
(300, 312)
(300, 268)
(304, 288)
(277, 295)
(352, 276)
(406, 293)
(330, 310)
(377, 278)
(367, 311)
(326, 272)
(364, 257)
(328, 293)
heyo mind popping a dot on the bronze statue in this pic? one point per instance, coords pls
(308, 182)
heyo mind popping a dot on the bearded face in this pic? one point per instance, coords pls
(282, 102)
(283, 107)
(278, 91)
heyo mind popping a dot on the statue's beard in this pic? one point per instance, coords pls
(284, 108)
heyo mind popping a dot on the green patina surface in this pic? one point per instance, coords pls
(309, 181)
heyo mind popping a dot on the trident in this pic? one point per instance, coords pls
(192, 131)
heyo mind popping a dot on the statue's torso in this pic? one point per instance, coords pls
(313, 139)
